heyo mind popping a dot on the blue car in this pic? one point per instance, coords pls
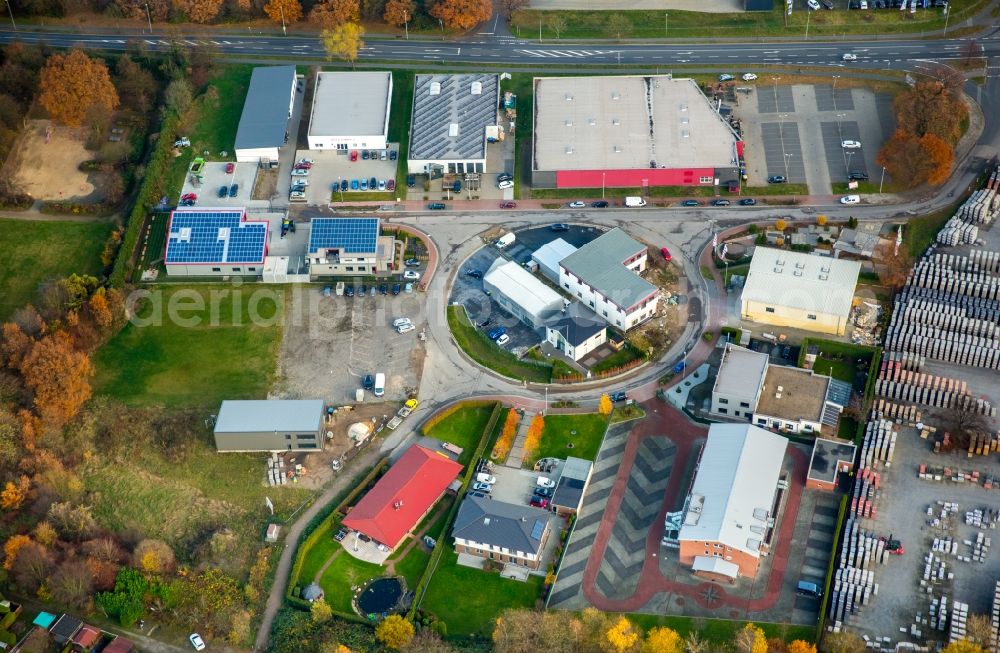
(496, 333)
(364, 184)
(343, 185)
(354, 184)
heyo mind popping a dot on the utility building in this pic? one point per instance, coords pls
(263, 127)
(350, 111)
(519, 293)
(270, 425)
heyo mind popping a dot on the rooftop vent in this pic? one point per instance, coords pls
(777, 270)
(797, 273)
(569, 149)
(685, 120)
(569, 123)
(825, 268)
(780, 261)
(685, 133)
(615, 95)
(618, 148)
(435, 88)
(824, 277)
(569, 97)
(477, 88)
(486, 521)
(800, 265)
(453, 129)
(616, 122)
(682, 107)
(592, 122)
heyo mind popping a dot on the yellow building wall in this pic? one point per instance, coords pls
(793, 318)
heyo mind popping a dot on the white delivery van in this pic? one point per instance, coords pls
(379, 384)
(634, 202)
(506, 240)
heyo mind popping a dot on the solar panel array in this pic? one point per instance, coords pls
(214, 236)
(537, 530)
(354, 235)
(455, 104)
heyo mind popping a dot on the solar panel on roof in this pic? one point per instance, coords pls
(355, 235)
(537, 530)
(214, 236)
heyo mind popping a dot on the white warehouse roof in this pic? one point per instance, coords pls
(734, 487)
(741, 371)
(801, 281)
(521, 287)
(351, 104)
(269, 415)
(552, 253)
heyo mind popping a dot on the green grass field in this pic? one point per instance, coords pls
(399, 126)
(199, 356)
(412, 566)
(482, 350)
(558, 433)
(468, 600)
(36, 252)
(463, 428)
(343, 572)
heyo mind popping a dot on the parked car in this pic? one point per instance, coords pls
(390, 184)
(364, 184)
(726, 77)
(369, 381)
(392, 155)
(381, 184)
(544, 492)
(436, 206)
(776, 179)
(475, 274)
(482, 487)
(364, 155)
(187, 203)
(223, 191)
(192, 197)
(508, 205)
(748, 201)
(559, 226)
(355, 184)
(576, 205)
(412, 263)
(354, 156)
(667, 256)
(719, 202)
(300, 172)
(813, 4)
(690, 203)
(539, 502)
(234, 189)
(408, 288)
(478, 495)
(395, 289)
(749, 77)
(411, 181)
(857, 175)
(496, 333)
(230, 168)
(383, 289)
(411, 274)
(197, 642)
(341, 534)
(406, 328)
(600, 204)
(618, 396)
(544, 481)
(849, 56)
(484, 477)
(373, 183)
(503, 176)
(504, 185)
(183, 142)
(850, 199)
(503, 340)
(851, 145)
(383, 155)
(362, 290)
(349, 291)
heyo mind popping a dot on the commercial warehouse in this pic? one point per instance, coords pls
(519, 293)
(263, 125)
(270, 425)
(629, 132)
(350, 111)
(800, 291)
(215, 242)
(453, 116)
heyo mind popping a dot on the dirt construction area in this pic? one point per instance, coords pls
(331, 342)
(47, 159)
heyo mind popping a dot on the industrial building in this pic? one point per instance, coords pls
(215, 242)
(550, 255)
(453, 118)
(730, 514)
(576, 331)
(350, 111)
(404, 495)
(519, 293)
(629, 131)
(500, 531)
(263, 127)
(348, 246)
(269, 425)
(738, 382)
(830, 459)
(799, 291)
(604, 275)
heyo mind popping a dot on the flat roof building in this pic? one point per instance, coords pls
(830, 459)
(550, 255)
(629, 131)
(604, 275)
(738, 382)
(453, 115)
(731, 510)
(350, 110)
(519, 293)
(269, 425)
(215, 242)
(348, 246)
(263, 127)
(798, 290)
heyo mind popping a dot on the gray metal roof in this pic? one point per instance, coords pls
(488, 521)
(577, 324)
(576, 468)
(599, 264)
(264, 416)
(265, 111)
(454, 104)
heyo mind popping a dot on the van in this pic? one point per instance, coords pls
(505, 240)
(634, 202)
(805, 588)
(379, 384)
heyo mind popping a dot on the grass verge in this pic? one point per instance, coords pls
(583, 431)
(463, 428)
(485, 352)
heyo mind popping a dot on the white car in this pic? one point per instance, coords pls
(405, 328)
(410, 274)
(726, 77)
(545, 482)
(850, 199)
(503, 340)
(183, 142)
(813, 4)
(197, 642)
(505, 184)
(400, 321)
(851, 145)
(577, 204)
(300, 172)
(749, 77)
(849, 57)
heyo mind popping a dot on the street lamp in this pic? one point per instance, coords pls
(602, 184)
(849, 155)
(787, 157)
(781, 134)
(340, 187)
(881, 180)
(947, 15)
(149, 18)
(406, 24)
(11, 10)
(666, 23)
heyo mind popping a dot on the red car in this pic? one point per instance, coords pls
(508, 205)
(539, 502)
(390, 184)
(354, 156)
(230, 167)
(189, 197)
(666, 254)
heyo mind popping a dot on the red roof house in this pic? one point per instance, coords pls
(403, 496)
(85, 638)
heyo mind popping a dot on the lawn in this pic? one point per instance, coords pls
(399, 126)
(485, 352)
(36, 252)
(194, 347)
(558, 433)
(343, 572)
(919, 232)
(463, 428)
(623, 356)
(841, 360)
(469, 600)
(317, 557)
(413, 564)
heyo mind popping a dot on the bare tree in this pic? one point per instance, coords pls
(842, 642)
(981, 631)
(694, 644)
(510, 6)
(972, 51)
(962, 421)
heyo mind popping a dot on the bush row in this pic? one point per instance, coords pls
(77, 208)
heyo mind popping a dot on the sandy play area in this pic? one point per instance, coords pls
(47, 167)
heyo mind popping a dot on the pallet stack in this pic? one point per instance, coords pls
(851, 589)
(995, 618)
(959, 619)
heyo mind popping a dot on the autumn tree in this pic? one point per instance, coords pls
(663, 640)
(750, 639)
(534, 437)
(892, 267)
(343, 42)
(618, 24)
(239, 627)
(320, 611)
(780, 224)
(44, 534)
(605, 406)
(199, 11)
(153, 557)
(15, 345)
(427, 641)
(961, 421)
(72, 522)
(398, 12)
(506, 440)
(72, 84)
(136, 85)
(284, 11)
(963, 646)
(462, 14)
(510, 6)
(622, 636)
(395, 632)
(941, 157)
(693, 643)
(14, 494)
(801, 646)
(980, 630)
(31, 567)
(821, 220)
(333, 13)
(71, 584)
(931, 107)
(11, 548)
(914, 160)
(842, 642)
(59, 376)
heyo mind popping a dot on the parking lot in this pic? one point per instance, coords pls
(800, 128)
(331, 167)
(214, 177)
(331, 343)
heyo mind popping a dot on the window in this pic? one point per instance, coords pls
(736, 413)
(288, 437)
(769, 309)
(565, 285)
(350, 268)
(744, 404)
(605, 313)
(236, 269)
(592, 304)
(340, 146)
(618, 322)
(761, 420)
(361, 268)
(724, 411)
(723, 400)
(810, 317)
(216, 269)
(807, 427)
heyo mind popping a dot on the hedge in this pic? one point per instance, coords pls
(432, 564)
(153, 183)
